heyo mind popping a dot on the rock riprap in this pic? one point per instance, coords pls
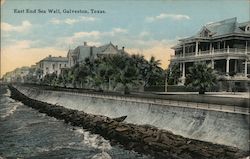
(145, 139)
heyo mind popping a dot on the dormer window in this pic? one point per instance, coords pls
(205, 32)
(247, 28)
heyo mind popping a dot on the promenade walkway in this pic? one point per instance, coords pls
(159, 101)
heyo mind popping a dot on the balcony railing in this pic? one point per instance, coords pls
(213, 52)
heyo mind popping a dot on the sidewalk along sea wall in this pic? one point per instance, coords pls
(218, 127)
(206, 99)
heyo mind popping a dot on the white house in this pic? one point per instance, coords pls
(223, 44)
(52, 64)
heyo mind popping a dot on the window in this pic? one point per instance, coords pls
(247, 29)
(64, 65)
(60, 65)
(53, 66)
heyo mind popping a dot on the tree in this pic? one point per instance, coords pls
(157, 74)
(50, 79)
(201, 77)
(173, 74)
(150, 73)
(125, 71)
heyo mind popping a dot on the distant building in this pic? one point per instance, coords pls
(81, 52)
(52, 64)
(225, 45)
(18, 75)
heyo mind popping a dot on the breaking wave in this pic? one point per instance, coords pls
(9, 111)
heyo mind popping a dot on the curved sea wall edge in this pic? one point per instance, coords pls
(225, 128)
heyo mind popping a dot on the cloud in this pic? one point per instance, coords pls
(167, 16)
(86, 34)
(24, 44)
(20, 44)
(90, 36)
(72, 21)
(119, 30)
(26, 25)
(144, 34)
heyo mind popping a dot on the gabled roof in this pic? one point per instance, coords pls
(70, 52)
(104, 49)
(218, 29)
(83, 51)
(221, 28)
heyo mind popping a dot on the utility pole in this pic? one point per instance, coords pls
(166, 83)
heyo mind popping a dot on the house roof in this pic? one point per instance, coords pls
(84, 51)
(227, 26)
(55, 59)
(104, 49)
(222, 27)
(71, 51)
(219, 29)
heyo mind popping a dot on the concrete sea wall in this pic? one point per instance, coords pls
(144, 139)
(225, 128)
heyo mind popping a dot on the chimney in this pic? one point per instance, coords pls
(85, 43)
(49, 55)
(116, 47)
(123, 49)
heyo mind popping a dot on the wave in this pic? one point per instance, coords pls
(103, 155)
(93, 140)
(8, 93)
(89, 140)
(10, 111)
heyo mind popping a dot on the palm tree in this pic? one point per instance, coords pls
(156, 73)
(201, 77)
(154, 63)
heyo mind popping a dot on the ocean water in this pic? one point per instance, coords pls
(26, 133)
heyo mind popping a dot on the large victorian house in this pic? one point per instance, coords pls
(225, 45)
(81, 52)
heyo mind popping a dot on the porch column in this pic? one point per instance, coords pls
(227, 66)
(228, 49)
(183, 70)
(212, 64)
(246, 48)
(180, 67)
(184, 50)
(210, 48)
(196, 48)
(246, 68)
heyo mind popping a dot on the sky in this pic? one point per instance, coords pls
(144, 27)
